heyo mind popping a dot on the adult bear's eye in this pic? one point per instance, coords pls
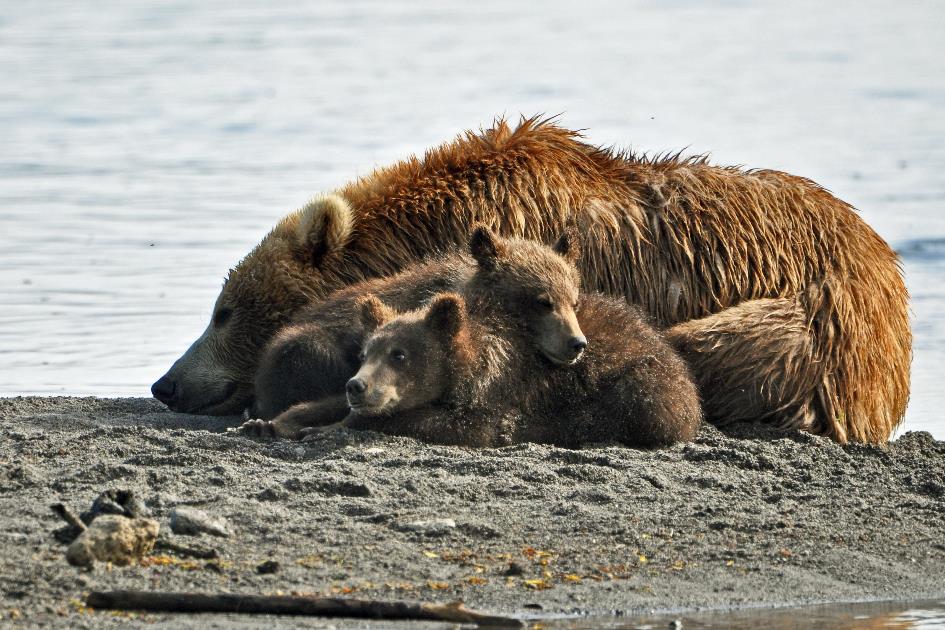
(545, 302)
(362, 356)
(398, 356)
(222, 316)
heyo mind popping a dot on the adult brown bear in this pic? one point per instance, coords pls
(819, 340)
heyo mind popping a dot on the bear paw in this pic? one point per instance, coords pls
(259, 428)
(312, 433)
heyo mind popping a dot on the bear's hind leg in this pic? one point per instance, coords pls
(756, 361)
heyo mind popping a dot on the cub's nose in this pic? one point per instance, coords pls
(355, 387)
(165, 390)
(577, 344)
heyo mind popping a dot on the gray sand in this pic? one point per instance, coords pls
(750, 517)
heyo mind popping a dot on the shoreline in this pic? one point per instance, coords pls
(749, 518)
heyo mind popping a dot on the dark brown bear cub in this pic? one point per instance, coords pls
(428, 374)
(630, 386)
(441, 376)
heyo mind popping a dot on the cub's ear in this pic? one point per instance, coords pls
(569, 243)
(486, 246)
(374, 313)
(447, 314)
(324, 228)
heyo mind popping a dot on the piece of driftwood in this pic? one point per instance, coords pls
(74, 524)
(292, 605)
(63, 512)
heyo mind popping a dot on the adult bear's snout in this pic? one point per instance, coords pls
(577, 344)
(165, 390)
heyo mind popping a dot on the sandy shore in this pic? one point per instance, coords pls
(744, 518)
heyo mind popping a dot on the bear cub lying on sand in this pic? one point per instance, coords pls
(446, 376)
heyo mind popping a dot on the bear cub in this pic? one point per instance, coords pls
(442, 376)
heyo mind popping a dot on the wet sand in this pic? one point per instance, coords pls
(743, 518)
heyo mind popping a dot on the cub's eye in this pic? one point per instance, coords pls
(545, 302)
(398, 356)
(362, 356)
(222, 316)
(575, 305)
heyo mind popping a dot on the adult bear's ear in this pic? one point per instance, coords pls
(569, 243)
(447, 314)
(374, 313)
(324, 228)
(486, 246)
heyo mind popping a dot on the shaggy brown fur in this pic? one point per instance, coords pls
(630, 386)
(434, 370)
(445, 388)
(304, 370)
(683, 239)
(313, 358)
(449, 378)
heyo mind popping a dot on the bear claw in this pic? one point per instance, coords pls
(259, 428)
(310, 433)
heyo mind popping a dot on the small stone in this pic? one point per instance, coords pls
(267, 567)
(675, 624)
(112, 538)
(514, 569)
(191, 522)
(431, 527)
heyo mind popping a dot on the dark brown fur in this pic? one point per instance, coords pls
(315, 357)
(310, 362)
(446, 386)
(483, 384)
(683, 239)
(630, 386)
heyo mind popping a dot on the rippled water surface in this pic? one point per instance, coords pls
(147, 146)
(918, 615)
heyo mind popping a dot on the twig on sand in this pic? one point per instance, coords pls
(292, 605)
(63, 512)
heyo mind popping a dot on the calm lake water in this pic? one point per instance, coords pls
(146, 146)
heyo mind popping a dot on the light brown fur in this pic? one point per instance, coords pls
(682, 238)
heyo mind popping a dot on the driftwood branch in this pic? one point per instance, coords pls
(292, 605)
(63, 512)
